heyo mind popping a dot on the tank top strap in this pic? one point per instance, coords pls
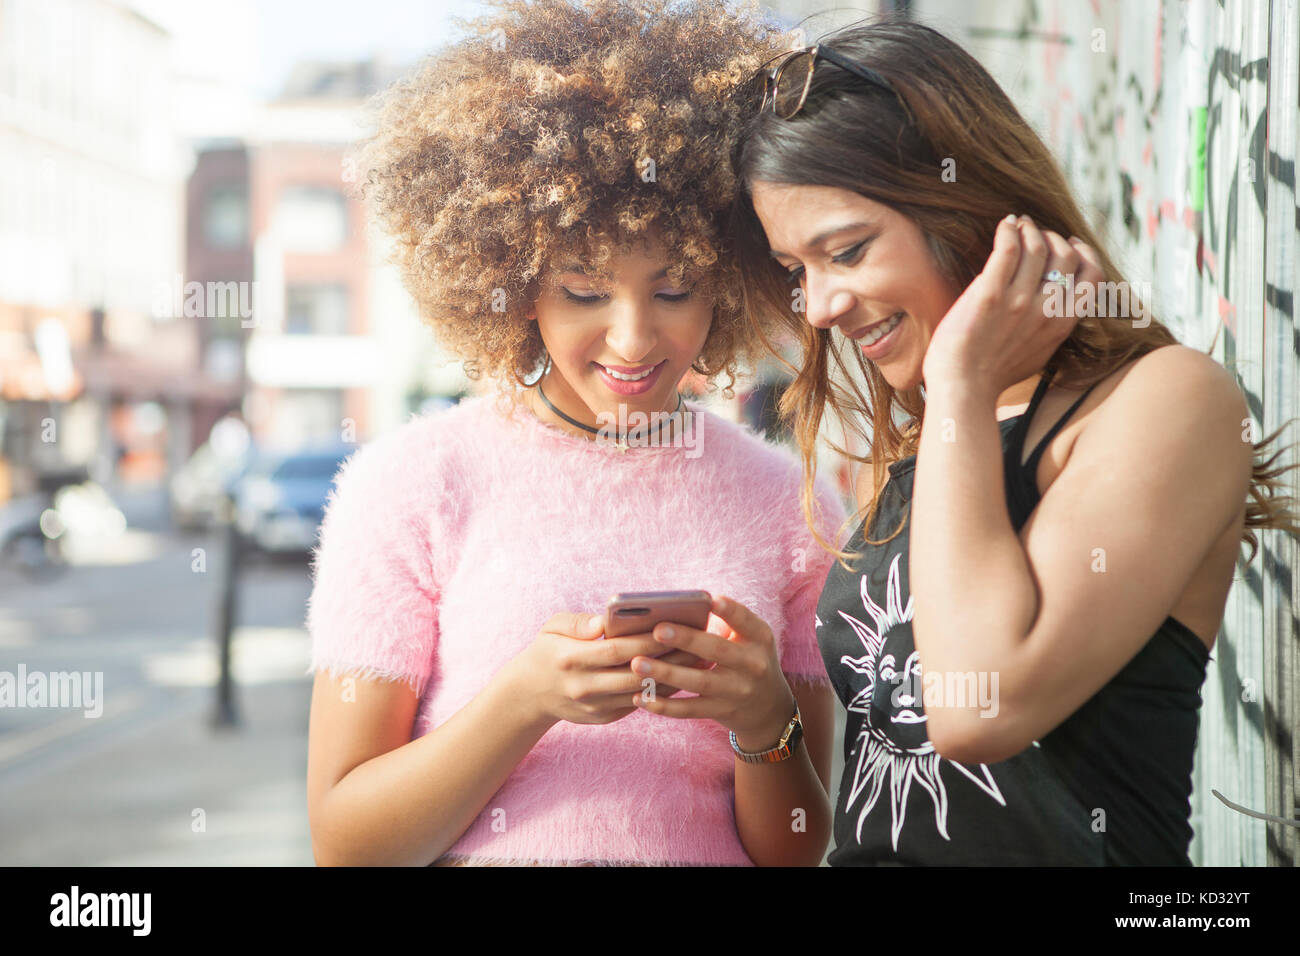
(1031, 463)
(1016, 438)
(1044, 381)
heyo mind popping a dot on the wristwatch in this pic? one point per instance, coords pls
(784, 749)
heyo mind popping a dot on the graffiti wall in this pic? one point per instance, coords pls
(1176, 124)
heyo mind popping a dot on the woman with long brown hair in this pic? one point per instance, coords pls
(1019, 637)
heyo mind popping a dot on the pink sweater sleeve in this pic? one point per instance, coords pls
(800, 654)
(372, 610)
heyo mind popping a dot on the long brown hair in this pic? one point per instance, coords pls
(946, 112)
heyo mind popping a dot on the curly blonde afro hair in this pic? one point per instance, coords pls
(559, 129)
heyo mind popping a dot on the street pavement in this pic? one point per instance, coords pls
(151, 780)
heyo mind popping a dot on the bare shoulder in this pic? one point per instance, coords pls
(1176, 414)
(1181, 363)
(1175, 386)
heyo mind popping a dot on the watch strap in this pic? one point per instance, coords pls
(784, 749)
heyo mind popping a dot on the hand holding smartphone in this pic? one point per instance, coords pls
(637, 612)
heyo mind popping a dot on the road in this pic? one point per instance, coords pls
(150, 781)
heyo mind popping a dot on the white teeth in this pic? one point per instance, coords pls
(626, 378)
(882, 330)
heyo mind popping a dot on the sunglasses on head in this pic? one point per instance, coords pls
(786, 85)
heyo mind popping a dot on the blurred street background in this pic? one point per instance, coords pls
(193, 309)
(121, 788)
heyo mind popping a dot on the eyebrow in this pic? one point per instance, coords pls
(576, 267)
(821, 237)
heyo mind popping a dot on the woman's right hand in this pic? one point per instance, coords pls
(566, 673)
(1000, 330)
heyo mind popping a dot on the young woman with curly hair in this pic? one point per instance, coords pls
(557, 185)
(1019, 639)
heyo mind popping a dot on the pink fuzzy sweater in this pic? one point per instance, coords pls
(447, 544)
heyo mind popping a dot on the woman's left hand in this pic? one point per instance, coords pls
(745, 691)
(1000, 330)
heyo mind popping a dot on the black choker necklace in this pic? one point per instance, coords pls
(622, 441)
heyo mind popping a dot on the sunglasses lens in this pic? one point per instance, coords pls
(791, 82)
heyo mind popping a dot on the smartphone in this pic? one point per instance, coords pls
(637, 612)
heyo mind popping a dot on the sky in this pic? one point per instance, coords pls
(256, 42)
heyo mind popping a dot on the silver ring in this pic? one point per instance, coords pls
(1057, 276)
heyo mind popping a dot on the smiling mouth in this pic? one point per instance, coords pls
(624, 374)
(872, 333)
(908, 717)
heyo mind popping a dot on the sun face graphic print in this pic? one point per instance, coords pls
(893, 747)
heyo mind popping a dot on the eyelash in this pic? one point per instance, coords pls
(846, 258)
(593, 299)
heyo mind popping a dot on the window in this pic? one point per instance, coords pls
(308, 415)
(225, 216)
(311, 219)
(316, 310)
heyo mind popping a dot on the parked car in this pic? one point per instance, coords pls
(35, 529)
(280, 499)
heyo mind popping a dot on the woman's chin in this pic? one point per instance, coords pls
(901, 376)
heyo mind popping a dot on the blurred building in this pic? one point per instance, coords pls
(91, 176)
(219, 264)
(164, 262)
(324, 340)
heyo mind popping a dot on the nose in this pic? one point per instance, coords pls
(825, 300)
(631, 334)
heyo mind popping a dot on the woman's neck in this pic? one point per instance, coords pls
(660, 428)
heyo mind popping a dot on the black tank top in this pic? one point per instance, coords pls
(1110, 785)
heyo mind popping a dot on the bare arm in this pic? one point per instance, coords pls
(376, 797)
(783, 813)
